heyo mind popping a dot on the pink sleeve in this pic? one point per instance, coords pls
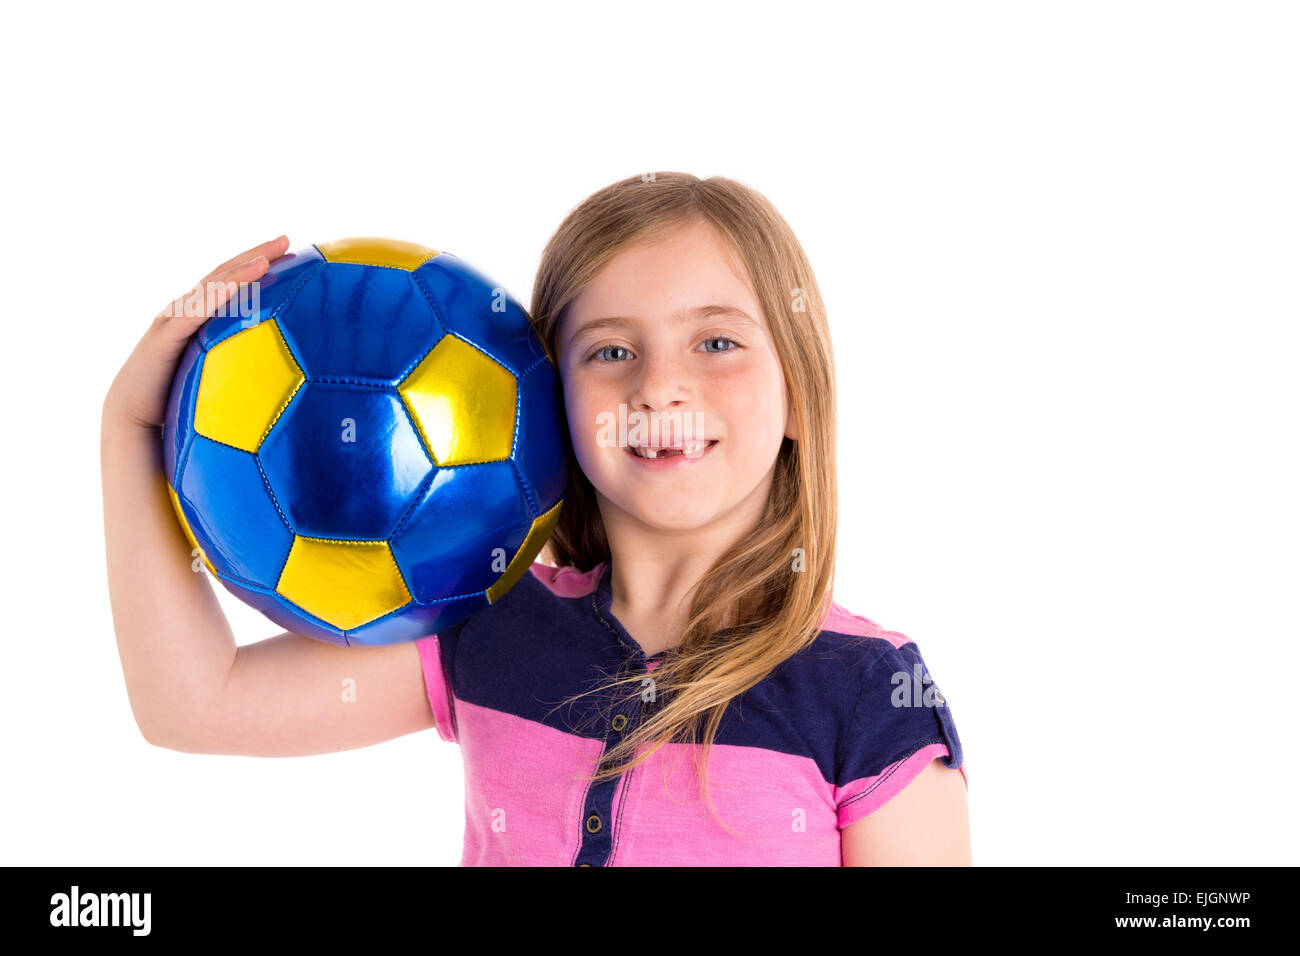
(870, 794)
(436, 686)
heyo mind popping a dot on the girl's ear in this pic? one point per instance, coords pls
(791, 426)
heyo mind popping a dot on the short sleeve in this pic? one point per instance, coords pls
(900, 723)
(437, 684)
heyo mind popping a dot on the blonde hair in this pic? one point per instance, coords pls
(774, 610)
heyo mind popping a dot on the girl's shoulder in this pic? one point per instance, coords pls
(852, 649)
(838, 620)
(894, 719)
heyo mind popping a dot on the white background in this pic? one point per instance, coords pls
(1059, 247)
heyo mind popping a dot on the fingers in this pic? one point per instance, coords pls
(186, 313)
(272, 249)
(220, 290)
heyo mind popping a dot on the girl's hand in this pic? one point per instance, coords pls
(139, 392)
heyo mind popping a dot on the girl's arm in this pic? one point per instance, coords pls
(924, 824)
(190, 686)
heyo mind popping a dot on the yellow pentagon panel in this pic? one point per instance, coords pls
(528, 551)
(246, 383)
(377, 252)
(456, 384)
(185, 526)
(344, 583)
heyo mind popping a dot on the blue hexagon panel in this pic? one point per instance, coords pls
(360, 323)
(449, 538)
(469, 304)
(231, 513)
(344, 461)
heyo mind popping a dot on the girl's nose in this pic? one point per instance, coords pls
(663, 384)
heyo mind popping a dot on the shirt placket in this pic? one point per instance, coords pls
(624, 712)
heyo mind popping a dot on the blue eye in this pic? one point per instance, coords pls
(600, 352)
(723, 338)
(717, 338)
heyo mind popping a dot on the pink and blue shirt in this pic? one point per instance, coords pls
(830, 736)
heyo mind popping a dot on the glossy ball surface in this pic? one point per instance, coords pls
(367, 445)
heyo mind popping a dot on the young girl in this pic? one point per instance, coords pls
(675, 684)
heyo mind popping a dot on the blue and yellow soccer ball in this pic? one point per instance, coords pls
(371, 446)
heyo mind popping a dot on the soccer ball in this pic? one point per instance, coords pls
(369, 445)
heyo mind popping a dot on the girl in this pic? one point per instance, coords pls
(674, 685)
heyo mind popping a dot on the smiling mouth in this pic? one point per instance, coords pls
(689, 450)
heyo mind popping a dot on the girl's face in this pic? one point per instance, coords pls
(697, 375)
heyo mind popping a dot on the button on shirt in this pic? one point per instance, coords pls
(831, 735)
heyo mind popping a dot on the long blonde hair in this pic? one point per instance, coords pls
(774, 587)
